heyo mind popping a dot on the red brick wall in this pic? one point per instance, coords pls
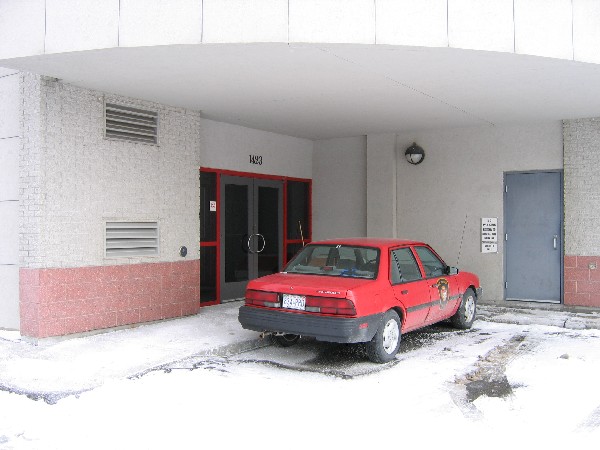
(582, 281)
(56, 302)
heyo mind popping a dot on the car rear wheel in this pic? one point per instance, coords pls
(285, 340)
(465, 314)
(386, 342)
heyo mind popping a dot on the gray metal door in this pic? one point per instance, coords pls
(251, 232)
(533, 239)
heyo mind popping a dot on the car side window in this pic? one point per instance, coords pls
(433, 266)
(403, 267)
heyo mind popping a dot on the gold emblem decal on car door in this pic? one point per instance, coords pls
(443, 289)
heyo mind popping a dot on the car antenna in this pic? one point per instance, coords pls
(461, 239)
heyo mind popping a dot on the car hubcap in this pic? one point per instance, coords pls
(391, 334)
(469, 308)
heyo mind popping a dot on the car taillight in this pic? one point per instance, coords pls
(260, 298)
(326, 305)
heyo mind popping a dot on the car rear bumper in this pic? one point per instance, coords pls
(323, 328)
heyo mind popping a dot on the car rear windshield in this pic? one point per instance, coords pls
(337, 261)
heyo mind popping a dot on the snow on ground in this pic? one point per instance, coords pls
(554, 400)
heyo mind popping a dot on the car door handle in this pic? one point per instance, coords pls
(404, 292)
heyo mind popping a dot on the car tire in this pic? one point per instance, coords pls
(285, 340)
(386, 342)
(465, 314)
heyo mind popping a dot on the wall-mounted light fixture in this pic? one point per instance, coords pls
(414, 154)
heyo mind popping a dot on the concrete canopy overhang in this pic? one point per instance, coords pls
(322, 91)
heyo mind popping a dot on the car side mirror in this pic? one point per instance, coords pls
(451, 270)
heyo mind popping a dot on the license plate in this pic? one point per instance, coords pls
(294, 301)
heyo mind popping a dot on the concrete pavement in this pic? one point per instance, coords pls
(57, 367)
(526, 313)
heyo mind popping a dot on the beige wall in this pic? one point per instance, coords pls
(440, 201)
(339, 188)
(230, 146)
(461, 180)
(381, 186)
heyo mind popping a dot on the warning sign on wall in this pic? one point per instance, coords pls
(489, 247)
(489, 235)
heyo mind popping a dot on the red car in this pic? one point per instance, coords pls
(360, 290)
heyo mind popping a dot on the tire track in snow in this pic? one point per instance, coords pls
(488, 377)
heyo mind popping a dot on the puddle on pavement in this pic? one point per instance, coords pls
(490, 388)
(422, 338)
(340, 360)
(352, 360)
(488, 376)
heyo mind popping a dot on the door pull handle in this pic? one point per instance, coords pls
(249, 242)
(264, 242)
(555, 241)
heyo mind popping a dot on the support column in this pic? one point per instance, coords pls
(10, 142)
(381, 186)
(582, 210)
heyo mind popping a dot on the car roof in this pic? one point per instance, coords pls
(370, 242)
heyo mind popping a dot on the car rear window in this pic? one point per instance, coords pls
(337, 261)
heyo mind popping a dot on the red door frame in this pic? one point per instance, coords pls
(286, 241)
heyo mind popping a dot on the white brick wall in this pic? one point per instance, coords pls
(73, 180)
(10, 142)
(582, 186)
(31, 253)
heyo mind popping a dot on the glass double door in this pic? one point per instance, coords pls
(251, 229)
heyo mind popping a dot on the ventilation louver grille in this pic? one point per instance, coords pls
(131, 239)
(130, 124)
